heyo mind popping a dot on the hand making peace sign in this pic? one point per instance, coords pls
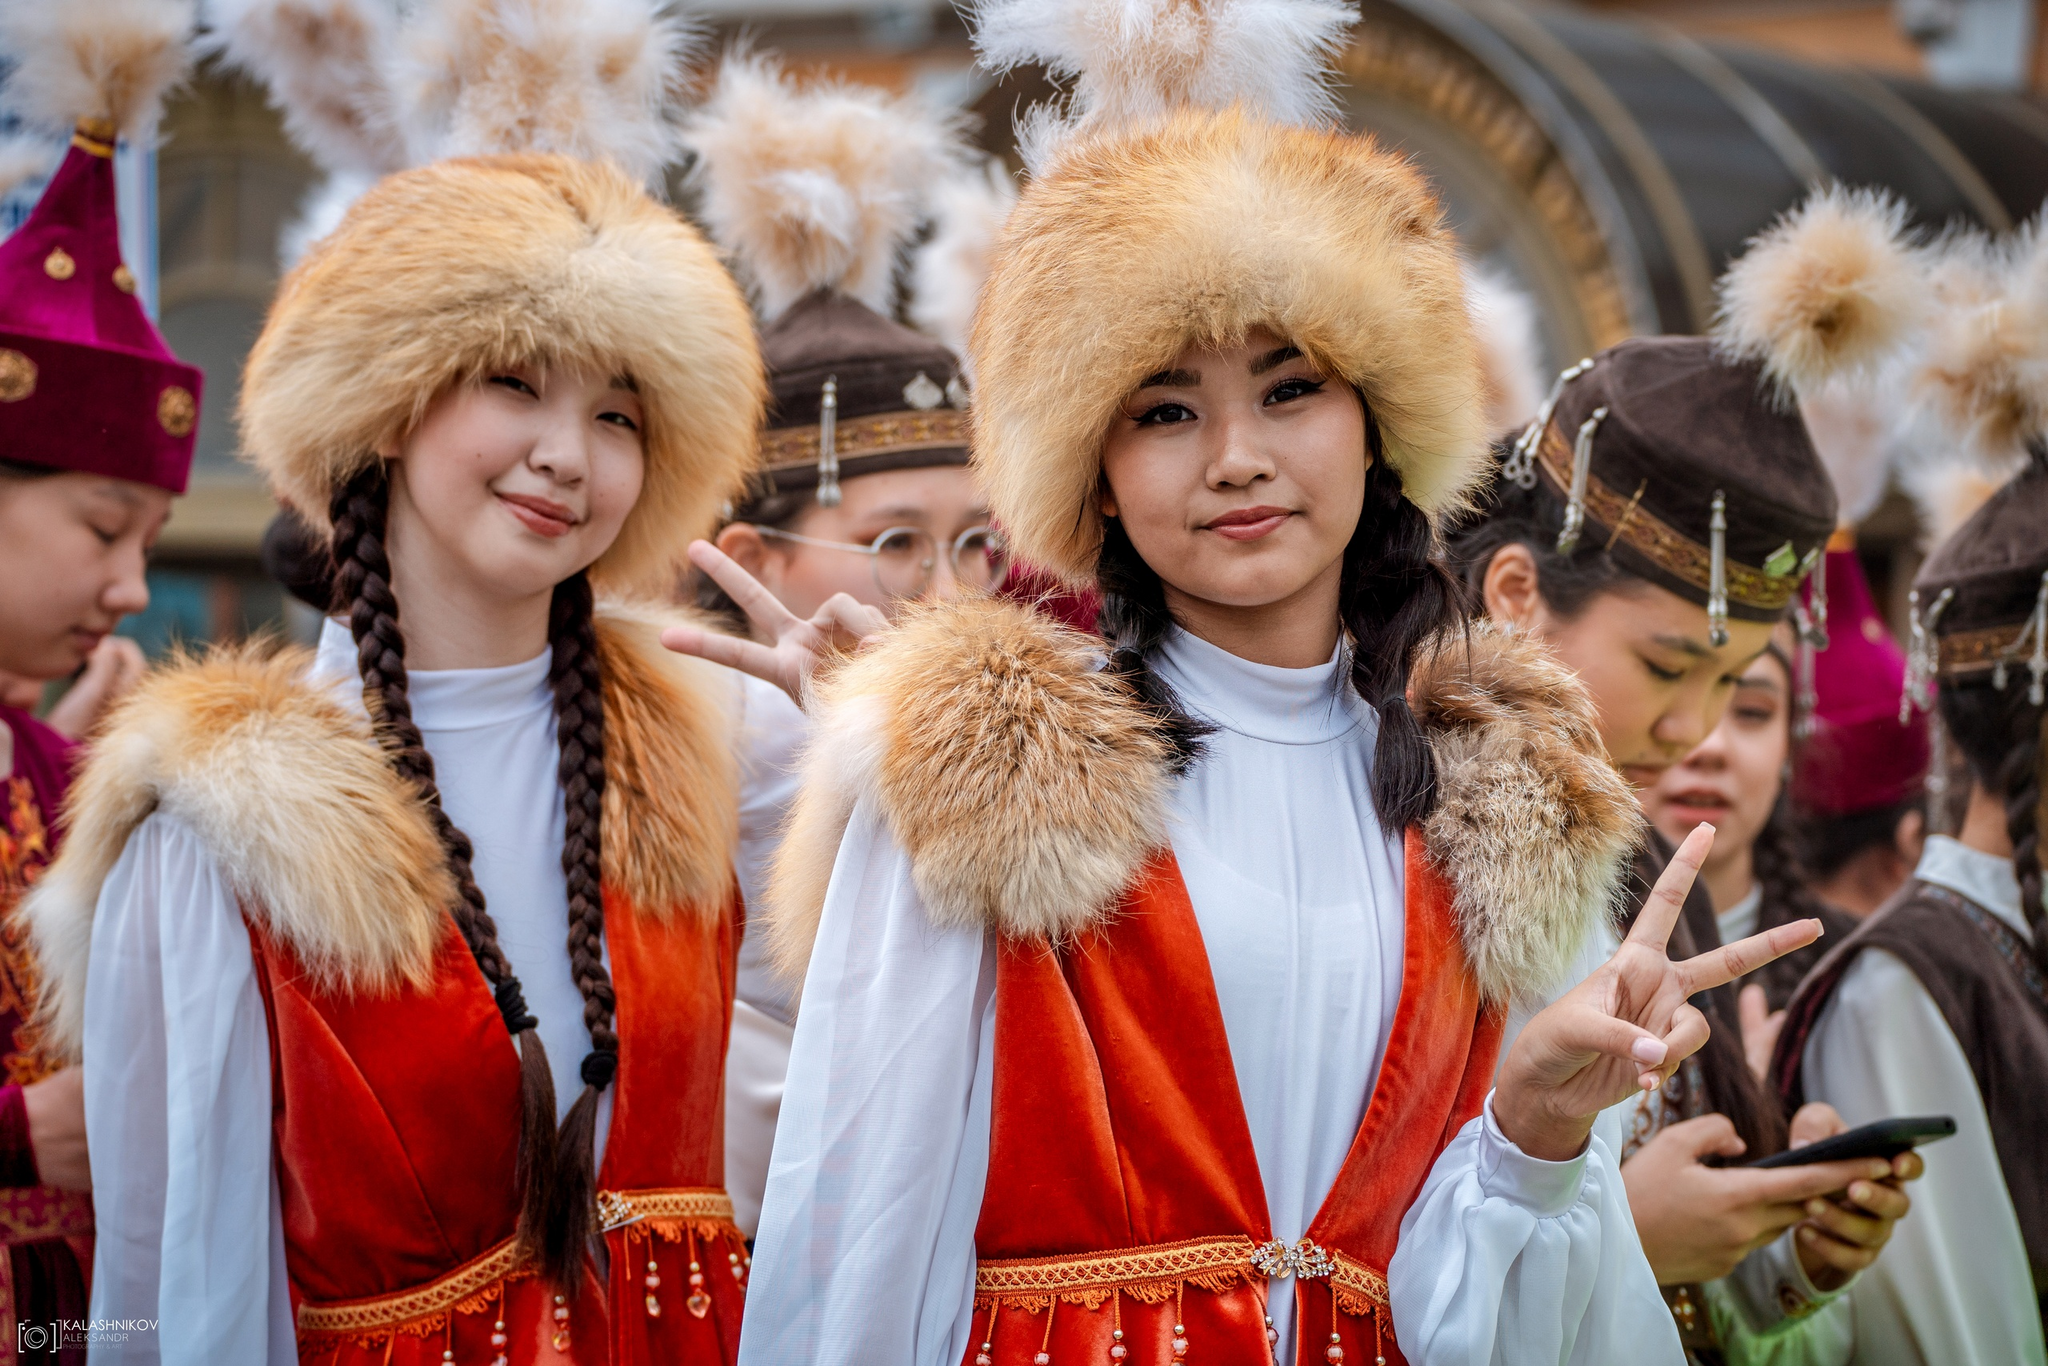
(1629, 1025)
(841, 623)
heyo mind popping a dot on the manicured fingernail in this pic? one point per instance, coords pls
(1651, 1051)
(1816, 1206)
(1807, 1235)
(1859, 1191)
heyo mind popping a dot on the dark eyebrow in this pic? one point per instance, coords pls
(1279, 355)
(1173, 379)
(1684, 645)
(1765, 684)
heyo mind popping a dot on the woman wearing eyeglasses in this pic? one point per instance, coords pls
(863, 501)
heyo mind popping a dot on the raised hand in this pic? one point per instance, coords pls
(1629, 1025)
(839, 624)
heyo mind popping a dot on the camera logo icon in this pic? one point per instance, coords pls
(34, 1337)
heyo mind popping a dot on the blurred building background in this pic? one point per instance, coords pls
(1608, 156)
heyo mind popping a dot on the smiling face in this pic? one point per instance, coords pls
(1659, 683)
(1238, 473)
(73, 548)
(1732, 780)
(512, 484)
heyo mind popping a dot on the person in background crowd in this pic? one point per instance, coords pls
(864, 492)
(1736, 782)
(97, 425)
(1858, 779)
(1651, 527)
(1935, 1006)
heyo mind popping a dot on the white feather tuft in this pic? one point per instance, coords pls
(1504, 325)
(23, 157)
(596, 79)
(1135, 61)
(106, 59)
(1949, 494)
(1857, 429)
(1832, 289)
(320, 213)
(327, 64)
(1982, 378)
(968, 213)
(815, 187)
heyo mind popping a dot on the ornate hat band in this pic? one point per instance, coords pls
(876, 434)
(1629, 522)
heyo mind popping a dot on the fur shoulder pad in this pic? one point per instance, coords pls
(287, 789)
(284, 784)
(1028, 788)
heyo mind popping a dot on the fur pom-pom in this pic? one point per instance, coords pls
(327, 65)
(1831, 289)
(595, 79)
(1504, 325)
(1135, 61)
(968, 213)
(815, 187)
(1982, 378)
(104, 59)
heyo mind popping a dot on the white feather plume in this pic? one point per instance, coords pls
(968, 212)
(24, 156)
(108, 59)
(327, 65)
(1504, 325)
(597, 79)
(1832, 289)
(320, 213)
(1857, 429)
(1981, 381)
(814, 187)
(1134, 61)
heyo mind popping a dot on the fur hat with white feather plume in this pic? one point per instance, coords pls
(815, 191)
(86, 381)
(532, 238)
(1190, 190)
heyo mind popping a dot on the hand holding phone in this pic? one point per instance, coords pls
(1885, 1138)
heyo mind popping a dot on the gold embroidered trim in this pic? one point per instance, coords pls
(467, 1288)
(1651, 536)
(32, 1214)
(1969, 651)
(1359, 1289)
(696, 1205)
(876, 434)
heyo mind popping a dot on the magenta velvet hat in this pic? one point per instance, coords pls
(1859, 757)
(86, 382)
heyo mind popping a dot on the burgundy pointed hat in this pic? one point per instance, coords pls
(86, 381)
(1859, 757)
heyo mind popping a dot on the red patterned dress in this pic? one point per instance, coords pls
(47, 1232)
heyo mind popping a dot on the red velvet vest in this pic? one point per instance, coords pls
(1124, 1218)
(396, 1128)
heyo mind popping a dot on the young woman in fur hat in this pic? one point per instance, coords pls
(402, 973)
(1936, 1004)
(1152, 1010)
(1651, 528)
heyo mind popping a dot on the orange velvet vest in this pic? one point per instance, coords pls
(396, 1128)
(1124, 1219)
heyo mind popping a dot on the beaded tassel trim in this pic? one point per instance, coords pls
(1655, 539)
(468, 1289)
(1155, 1273)
(681, 1205)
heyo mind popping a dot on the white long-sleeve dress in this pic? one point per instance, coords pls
(866, 1247)
(1953, 1287)
(177, 1054)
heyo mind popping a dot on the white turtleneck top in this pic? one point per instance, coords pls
(177, 1051)
(866, 1248)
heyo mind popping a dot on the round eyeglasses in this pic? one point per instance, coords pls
(904, 558)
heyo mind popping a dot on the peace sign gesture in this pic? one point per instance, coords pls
(841, 623)
(1629, 1025)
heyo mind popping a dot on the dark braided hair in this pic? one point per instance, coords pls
(2000, 734)
(555, 1172)
(1392, 596)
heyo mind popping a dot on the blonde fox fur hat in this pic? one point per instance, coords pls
(442, 273)
(1194, 225)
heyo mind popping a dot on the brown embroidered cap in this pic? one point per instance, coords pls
(853, 393)
(1688, 469)
(1980, 600)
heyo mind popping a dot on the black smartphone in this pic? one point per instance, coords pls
(1886, 1138)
